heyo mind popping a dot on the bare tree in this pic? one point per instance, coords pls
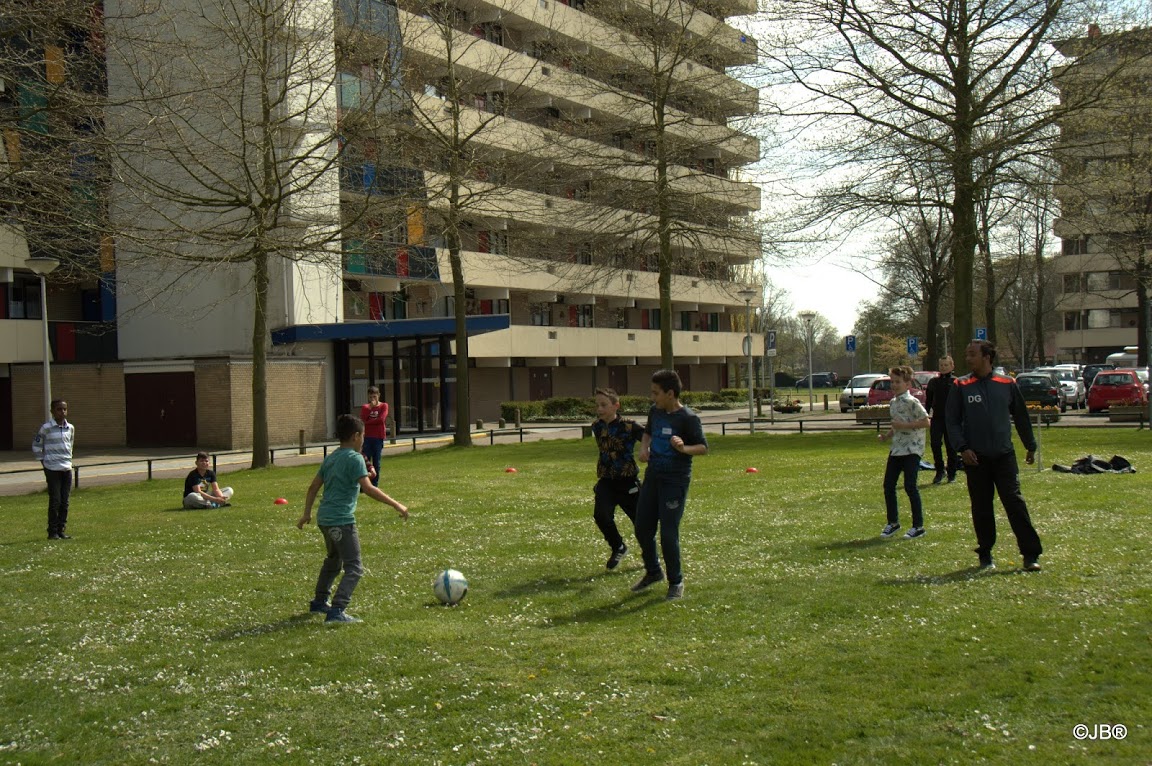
(225, 138)
(891, 85)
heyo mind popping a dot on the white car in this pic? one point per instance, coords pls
(1071, 382)
(855, 394)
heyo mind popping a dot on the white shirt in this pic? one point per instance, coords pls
(906, 409)
(53, 445)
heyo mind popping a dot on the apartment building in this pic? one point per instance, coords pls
(548, 206)
(1105, 185)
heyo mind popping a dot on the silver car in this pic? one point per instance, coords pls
(855, 394)
(1072, 384)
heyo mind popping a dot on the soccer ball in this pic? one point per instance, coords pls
(450, 586)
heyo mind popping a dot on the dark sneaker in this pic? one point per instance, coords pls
(913, 533)
(986, 561)
(890, 529)
(340, 616)
(952, 479)
(53, 536)
(939, 478)
(225, 505)
(1031, 565)
(318, 607)
(675, 591)
(63, 536)
(620, 553)
(649, 578)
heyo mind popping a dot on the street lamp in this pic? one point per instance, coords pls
(806, 317)
(944, 326)
(43, 266)
(748, 295)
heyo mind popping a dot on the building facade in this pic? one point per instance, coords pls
(561, 206)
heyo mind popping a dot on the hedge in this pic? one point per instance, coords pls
(568, 408)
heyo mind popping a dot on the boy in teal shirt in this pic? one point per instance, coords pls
(343, 475)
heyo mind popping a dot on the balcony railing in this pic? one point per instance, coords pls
(390, 260)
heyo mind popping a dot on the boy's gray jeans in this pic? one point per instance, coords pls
(343, 547)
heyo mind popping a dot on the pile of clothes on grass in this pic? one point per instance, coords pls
(1093, 464)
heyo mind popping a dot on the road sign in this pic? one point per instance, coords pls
(981, 333)
(913, 345)
(770, 343)
(850, 344)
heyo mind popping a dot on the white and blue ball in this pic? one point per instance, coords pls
(450, 586)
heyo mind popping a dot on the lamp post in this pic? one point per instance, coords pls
(944, 326)
(806, 317)
(43, 266)
(748, 295)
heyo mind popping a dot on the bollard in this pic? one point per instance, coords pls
(502, 423)
(303, 446)
(517, 417)
(759, 407)
(585, 431)
(825, 402)
(390, 426)
(479, 424)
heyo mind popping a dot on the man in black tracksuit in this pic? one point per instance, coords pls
(935, 401)
(977, 417)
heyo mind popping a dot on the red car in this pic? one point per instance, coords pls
(881, 390)
(1117, 387)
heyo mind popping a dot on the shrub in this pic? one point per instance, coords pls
(570, 406)
(528, 410)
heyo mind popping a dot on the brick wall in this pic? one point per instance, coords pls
(95, 396)
(296, 400)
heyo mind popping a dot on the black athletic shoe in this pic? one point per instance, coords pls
(986, 561)
(890, 529)
(619, 554)
(649, 578)
(939, 478)
(1031, 565)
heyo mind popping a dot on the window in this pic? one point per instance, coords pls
(1105, 280)
(650, 319)
(541, 314)
(1100, 318)
(1072, 283)
(1073, 320)
(492, 242)
(24, 297)
(686, 320)
(1074, 246)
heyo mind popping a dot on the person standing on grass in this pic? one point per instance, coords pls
(343, 476)
(671, 439)
(53, 448)
(980, 413)
(616, 473)
(201, 489)
(374, 414)
(936, 399)
(909, 419)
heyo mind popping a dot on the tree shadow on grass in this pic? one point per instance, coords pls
(260, 629)
(628, 605)
(554, 584)
(853, 545)
(960, 575)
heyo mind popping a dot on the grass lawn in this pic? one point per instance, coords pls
(182, 637)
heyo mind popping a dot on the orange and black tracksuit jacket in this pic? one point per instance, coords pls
(980, 413)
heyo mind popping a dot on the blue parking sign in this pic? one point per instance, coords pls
(850, 343)
(913, 346)
(981, 333)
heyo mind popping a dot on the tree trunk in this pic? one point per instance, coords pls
(1038, 310)
(260, 457)
(463, 435)
(990, 322)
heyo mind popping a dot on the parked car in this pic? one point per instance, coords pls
(1071, 382)
(923, 376)
(1116, 387)
(855, 394)
(881, 390)
(1042, 388)
(819, 380)
(1090, 371)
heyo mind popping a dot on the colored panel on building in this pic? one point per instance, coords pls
(376, 306)
(65, 346)
(415, 225)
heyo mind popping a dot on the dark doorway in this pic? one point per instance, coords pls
(539, 383)
(160, 409)
(618, 379)
(6, 414)
(685, 372)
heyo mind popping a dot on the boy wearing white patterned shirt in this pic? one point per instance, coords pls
(909, 420)
(53, 448)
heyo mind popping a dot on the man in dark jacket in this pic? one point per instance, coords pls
(935, 401)
(979, 415)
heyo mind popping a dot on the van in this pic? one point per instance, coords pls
(1125, 358)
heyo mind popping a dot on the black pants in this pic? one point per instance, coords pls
(59, 491)
(907, 466)
(609, 494)
(1000, 473)
(940, 434)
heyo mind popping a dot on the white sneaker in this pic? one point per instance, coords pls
(913, 533)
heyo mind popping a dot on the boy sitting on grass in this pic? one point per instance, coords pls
(201, 489)
(343, 475)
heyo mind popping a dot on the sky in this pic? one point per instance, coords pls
(831, 288)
